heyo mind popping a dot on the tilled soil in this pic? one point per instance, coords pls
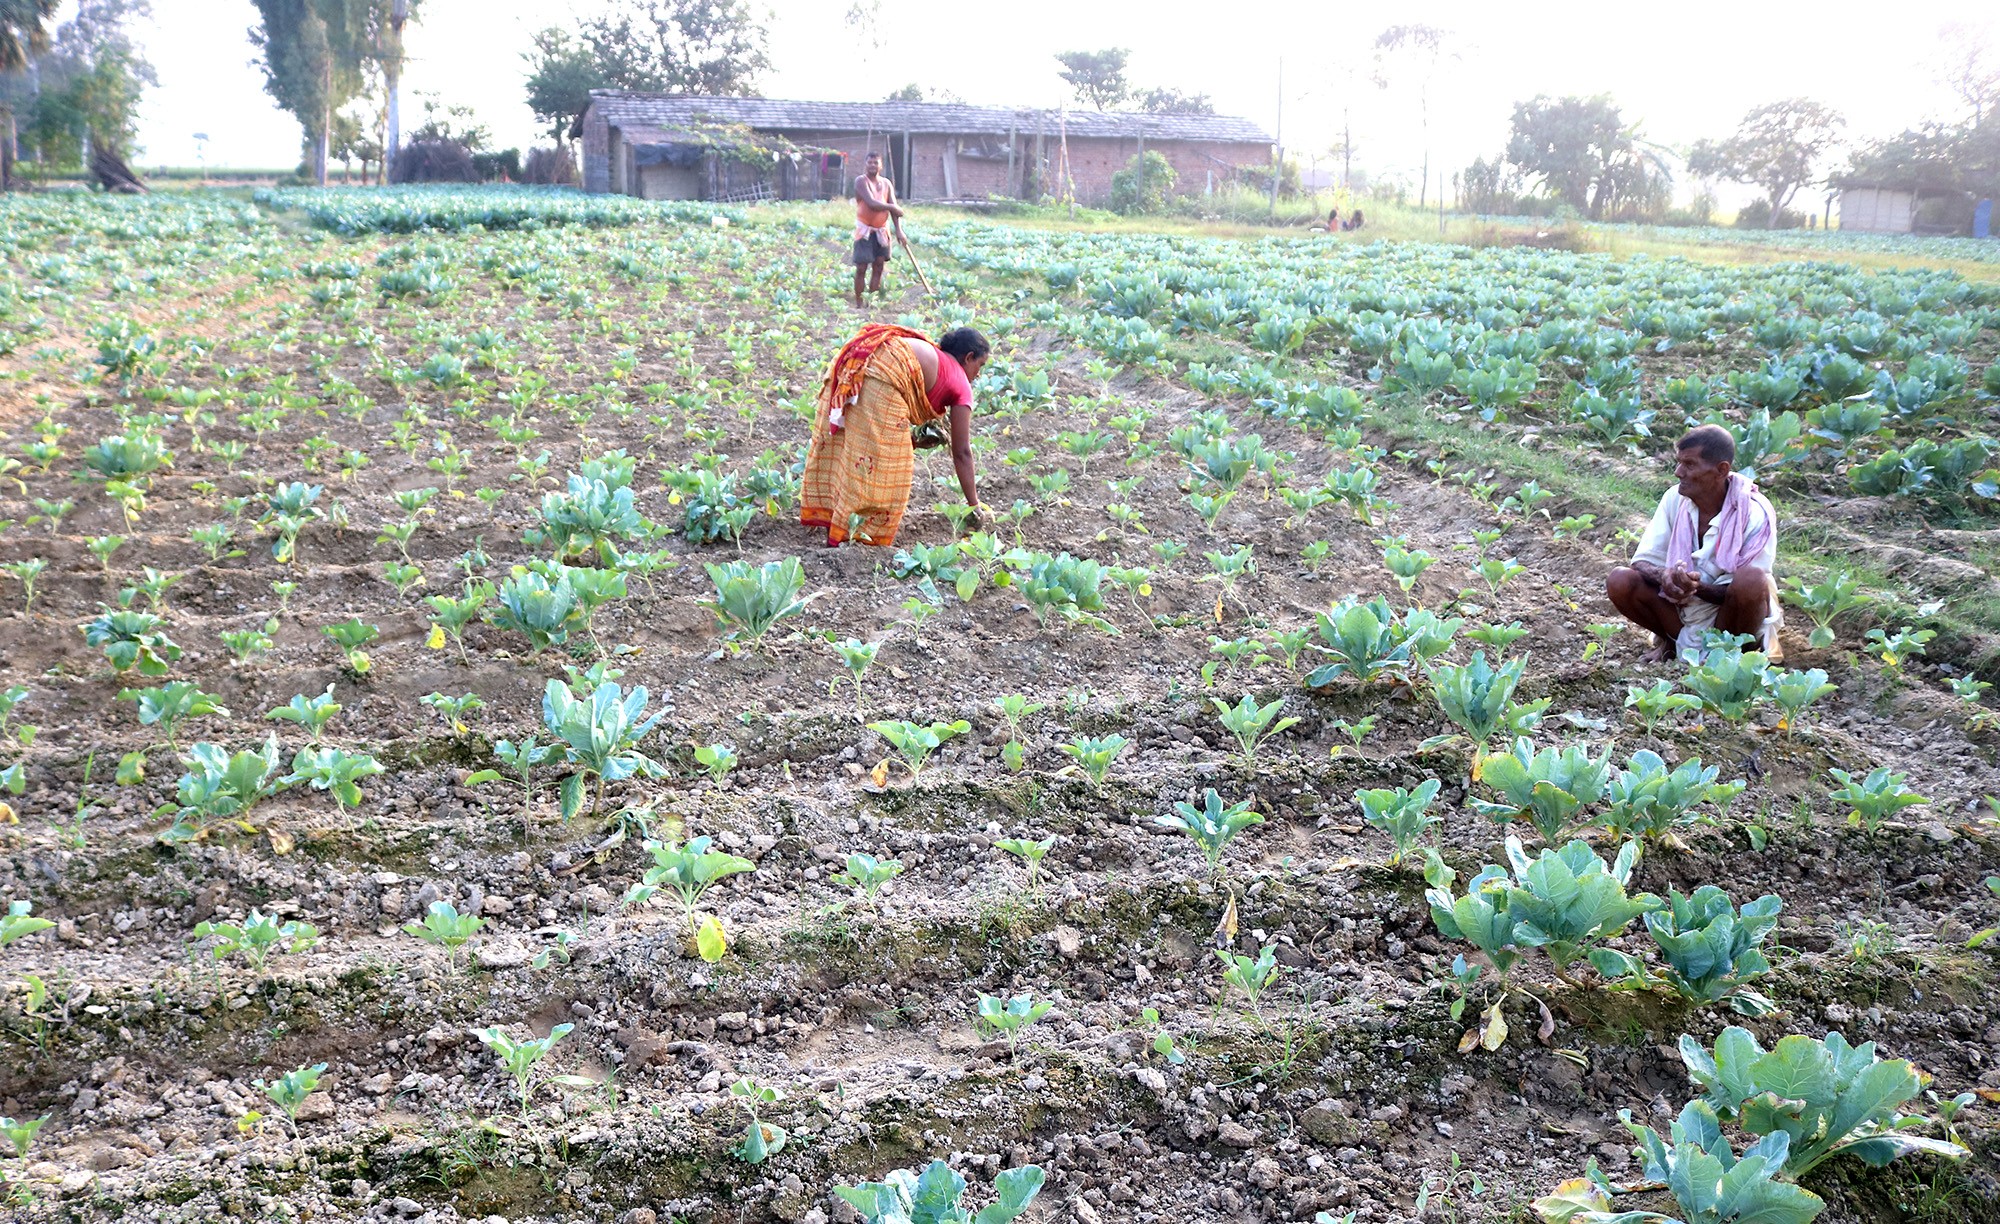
(1341, 1091)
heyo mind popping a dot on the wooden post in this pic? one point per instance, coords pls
(1014, 161)
(1278, 157)
(1041, 152)
(1062, 172)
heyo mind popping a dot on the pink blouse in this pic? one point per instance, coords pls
(952, 387)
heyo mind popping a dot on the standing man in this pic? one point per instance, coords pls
(1705, 560)
(875, 211)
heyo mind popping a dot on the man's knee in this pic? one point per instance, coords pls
(1623, 584)
(1749, 585)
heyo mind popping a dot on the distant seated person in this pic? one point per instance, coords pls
(1705, 560)
(1354, 222)
(1333, 221)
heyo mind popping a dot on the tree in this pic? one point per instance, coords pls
(1096, 77)
(85, 87)
(1143, 185)
(312, 56)
(1162, 100)
(23, 35)
(454, 123)
(391, 16)
(1778, 147)
(1584, 153)
(1420, 47)
(712, 47)
(561, 74)
(1970, 68)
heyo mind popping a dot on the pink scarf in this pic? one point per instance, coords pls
(1735, 544)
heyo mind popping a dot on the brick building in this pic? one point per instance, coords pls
(674, 146)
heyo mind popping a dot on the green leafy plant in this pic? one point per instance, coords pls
(1794, 690)
(1824, 601)
(311, 713)
(1480, 699)
(1251, 975)
(869, 874)
(687, 871)
(600, 738)
(351, 635)
(290, 1090)
(1827, 1097)
(1016, 709)
(1710, 948)
(716, 759)
(1646, 799)
(1873, 798)
(1898, 648)
(1401, 813)
(1565, 901)
(132, 641)
(761, 1140)
(334, 770)
(455, 711)
(1251, 723)
(444, 927)
(19, 922)
(520, 1057)
(1729, 681)
(1213, 825)
(20, 1135)
(1547, 787)
(1709, 1183)
(220, 788)
(933, 1196)
(523, 758)
(916, 741)
(532, 604)
(257, 938)
(857, 657)
(1095, 754)
(750, 600)
(1009, 1017)
(1030, 852)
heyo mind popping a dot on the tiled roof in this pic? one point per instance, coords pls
(625, 109)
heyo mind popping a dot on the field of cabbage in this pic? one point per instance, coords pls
(444, 782)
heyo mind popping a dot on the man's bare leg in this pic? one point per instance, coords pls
(860, 273)
(875, 285)
(1746, 604)
(1640, 602)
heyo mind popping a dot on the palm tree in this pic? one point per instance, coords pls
(23, 34)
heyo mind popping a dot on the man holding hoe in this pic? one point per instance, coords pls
(875, 213)
(1705, 560)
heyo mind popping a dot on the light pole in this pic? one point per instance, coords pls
(201, 155)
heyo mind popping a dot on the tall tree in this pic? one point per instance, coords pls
(390, 18)
(1165, 101)
(561, 74)
(1096, 77)
(1779, 147)
(88, 83)
(312, 61)
(1970, 67)
(1584, 152)
(1417, 49)
(24, 34)
(712, 47)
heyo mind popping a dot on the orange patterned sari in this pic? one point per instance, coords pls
(858, 470)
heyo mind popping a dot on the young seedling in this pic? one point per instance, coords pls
(933, 1196)
(1252, 976)
(1403, 814)
(257, 938)
(1872, 799)
(455, 711)
(1658, 702)
(1015, 709)
(290, 1090)
(687, 871)
(869, 874)
(916, 742)
(21, 1135)
(1794, 691)
(1251, 723)
(857, 656)
(1095, 754)
(761, 1140)
(1895, 649)
(132, 641)
(1212, 825)
(25, 573)
(19, 922)
(1010, 1017)
(717, 759)
(311, 713)
(246, 644)
(750, 600)
(600, 735)
(1480, 699)
(166, 707)
(350, 636)
(1825, 601)
(1031, 853)
(444, 927)
(522, 758)
(1356, 732)
(334, 770)
(451, 615)
(519, 1059)
(1163, 1041)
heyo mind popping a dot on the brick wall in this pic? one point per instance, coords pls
(1092, 162)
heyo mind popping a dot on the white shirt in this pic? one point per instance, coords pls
(1653, 544)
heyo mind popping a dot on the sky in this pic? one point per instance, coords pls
(1292, 67)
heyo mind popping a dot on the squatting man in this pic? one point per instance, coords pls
(1705, 560)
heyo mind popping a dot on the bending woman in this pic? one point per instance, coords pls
(885, 382)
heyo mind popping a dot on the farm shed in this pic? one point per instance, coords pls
(1876, 208)
(934, 151)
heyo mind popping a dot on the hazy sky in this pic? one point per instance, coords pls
(1684, 72)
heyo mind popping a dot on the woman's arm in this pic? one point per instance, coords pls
(961, 452)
